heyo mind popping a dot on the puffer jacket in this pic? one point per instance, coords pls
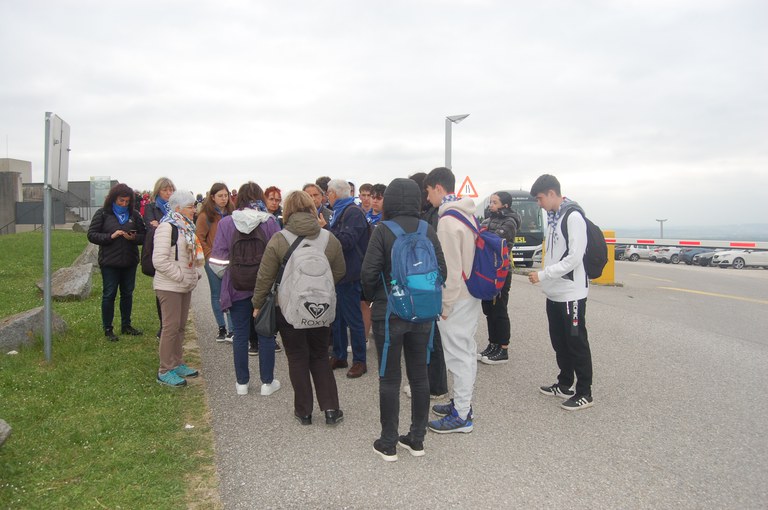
(117, 252)
(458, 242)
(401, 205)
(300, 224)
(505, 223)
(170, 274)
(152, 213)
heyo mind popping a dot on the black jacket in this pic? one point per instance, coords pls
(505, 223)
(402, 201)
(117, 252)
(152, 212)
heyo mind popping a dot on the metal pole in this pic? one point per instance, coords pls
(661, 228)
(47, 311)
(448, 143)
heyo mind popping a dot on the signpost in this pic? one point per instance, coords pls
(467, 189)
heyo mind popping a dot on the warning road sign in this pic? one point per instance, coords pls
(467, 189)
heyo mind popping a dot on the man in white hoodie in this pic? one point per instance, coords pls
(565, 283)
(458, 322)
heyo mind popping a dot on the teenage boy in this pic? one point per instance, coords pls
(565, 283)
(377, 204)
(461, 310)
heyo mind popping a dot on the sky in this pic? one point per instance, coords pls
(643, 109)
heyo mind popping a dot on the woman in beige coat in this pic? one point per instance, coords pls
(176, 256)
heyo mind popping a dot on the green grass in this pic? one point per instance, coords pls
(93, 429)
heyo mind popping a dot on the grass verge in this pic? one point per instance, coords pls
(93, 429)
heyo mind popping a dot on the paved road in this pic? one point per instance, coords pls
(678, 423)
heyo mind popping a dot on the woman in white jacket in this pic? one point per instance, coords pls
(176, 256)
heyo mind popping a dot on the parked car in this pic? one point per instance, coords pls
(687, 254)
(655, 255)
(704, 259)
(619, 251)
(739, 259)
(637, 252)
(670, 254)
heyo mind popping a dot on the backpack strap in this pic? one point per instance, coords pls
(456, 214)
(385, 348)
(288, 254)
(564, 230)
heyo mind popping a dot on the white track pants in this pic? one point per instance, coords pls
(460, 348)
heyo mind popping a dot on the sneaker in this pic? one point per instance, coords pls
(278, 347)
(253, 351)
(222, 336)
(130, 330)
(443, 409)
(268, 389)
(171, 379)
(577, 402)
(452, 423)
(437, 397)
(415, 447)
(407, 390)
(388, 454)
(110, 334)
(333, 416)
(496, 357)
(184, 371)
(242, 389)
(486, 351)
(557, 391)
(230, 337)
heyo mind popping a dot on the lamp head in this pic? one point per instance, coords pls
(457, 118)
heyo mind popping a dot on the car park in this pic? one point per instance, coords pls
(637, 252)
(687, 254)
(739, 259)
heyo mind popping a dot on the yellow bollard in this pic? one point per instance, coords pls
(609, 271)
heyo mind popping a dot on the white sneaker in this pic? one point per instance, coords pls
(407, 390)
(268, 389)
(242, 389)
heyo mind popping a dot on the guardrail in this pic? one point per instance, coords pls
(687, 243)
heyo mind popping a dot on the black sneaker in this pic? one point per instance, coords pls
(230, 337)
(253, 351)
(334, 416)
(415, 447)
(557, 391)
(110, 334)
(496, 357)
(388, 454)
(222, 336)
(278, 348)
(130, 330)
(486, 351)
(577, 402)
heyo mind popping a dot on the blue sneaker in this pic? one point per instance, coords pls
(184, 371)
(452, 423)
(171, 379)
(443, 409)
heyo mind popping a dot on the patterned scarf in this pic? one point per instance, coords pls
(554, 216)
(187, 227)
(450, 198)
(338, 209)
(121, 212)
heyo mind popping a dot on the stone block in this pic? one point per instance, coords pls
(5, 431)
(89, 255)
(22, 328)
(81, 226)
(71, 283)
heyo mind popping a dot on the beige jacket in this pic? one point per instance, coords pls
(458, 243)
(170, 274)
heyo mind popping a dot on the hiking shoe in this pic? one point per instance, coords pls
(171, 379)
(278, 347)
(443, 409)
(496, 357)
(230, 337)
(415, 447)
(577, 402)
(387, 453)
(242, 389)
(253, 351)
(486, 351)
(130, 330)
(452, 423)
(184, 371)
(110, 334)
(268, 389)
(557, 391)
(222, 336)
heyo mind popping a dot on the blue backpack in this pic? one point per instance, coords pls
(490, 265)
(417, 285)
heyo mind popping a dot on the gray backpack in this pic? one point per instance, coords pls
(307, 293)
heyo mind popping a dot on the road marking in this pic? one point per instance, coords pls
(652, 278)
(713, 294)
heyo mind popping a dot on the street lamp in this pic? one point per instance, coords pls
(449, 121)
(661, 226)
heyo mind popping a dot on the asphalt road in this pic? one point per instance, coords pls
(678, 422)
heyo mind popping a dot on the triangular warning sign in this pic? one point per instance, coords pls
(467, 189)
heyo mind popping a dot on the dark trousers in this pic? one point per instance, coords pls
(497, 314)
(348, 315)
(438, 375)
(114, 278)
(412, 339)
(568, 332)
(241, 313)
(307, 353)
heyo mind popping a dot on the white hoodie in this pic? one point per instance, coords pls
(566, 279)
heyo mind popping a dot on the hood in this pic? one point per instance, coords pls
(465, 205)
(402, 198)
(303, 224)
(246, 220)
(570, 204)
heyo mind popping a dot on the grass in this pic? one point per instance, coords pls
(93, 429)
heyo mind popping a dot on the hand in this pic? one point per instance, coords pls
(533, 277)
(129, 235)
(443, 317)
(154, 223)
(321, 220)
(117, 233)
(255, 313)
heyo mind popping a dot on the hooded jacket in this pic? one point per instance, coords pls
(566, 279)
(244, 220)
(117, 252)
(505, 223)
(402, 201)
(300, 224)
(352, 231)
(458, 242)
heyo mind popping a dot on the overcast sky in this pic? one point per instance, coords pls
(643, 109)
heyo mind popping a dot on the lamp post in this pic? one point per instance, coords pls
(449, 121)
(661, 227)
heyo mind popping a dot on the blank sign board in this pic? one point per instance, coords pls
(57, 152)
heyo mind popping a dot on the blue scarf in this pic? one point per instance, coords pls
(449, 198)
(121, 212)
(338, 208)
(162, 205)
(373, 219)
(258, 205)
(221, 213)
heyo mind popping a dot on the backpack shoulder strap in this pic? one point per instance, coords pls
(288, 254)
(422, 230)
(394, 227)
(463, 219)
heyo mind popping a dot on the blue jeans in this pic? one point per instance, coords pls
(241, 313)
(348, 314)
(214, 282)
(114, 278)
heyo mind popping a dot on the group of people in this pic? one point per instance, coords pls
(355, 235)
